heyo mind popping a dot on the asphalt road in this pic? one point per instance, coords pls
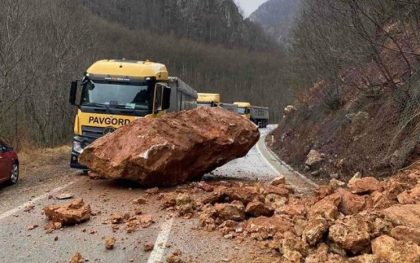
(168, 233)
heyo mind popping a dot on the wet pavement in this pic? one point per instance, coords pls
(168, 233)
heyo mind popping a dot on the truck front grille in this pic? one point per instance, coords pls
(92, 132)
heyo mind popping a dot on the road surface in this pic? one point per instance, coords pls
(168, 233)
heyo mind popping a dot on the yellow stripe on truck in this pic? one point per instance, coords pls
(101, 120)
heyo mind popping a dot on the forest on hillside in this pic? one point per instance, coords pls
(356, 66)
(44, 44)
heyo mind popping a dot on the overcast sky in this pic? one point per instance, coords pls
(249, 6)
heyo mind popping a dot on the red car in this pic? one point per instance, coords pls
(9, 164)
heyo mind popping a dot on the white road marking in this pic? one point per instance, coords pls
(33, 201)
(160, 243)
(288, 167)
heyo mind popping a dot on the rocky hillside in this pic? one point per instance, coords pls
(277, 17)
(209, 21)
(362, 115)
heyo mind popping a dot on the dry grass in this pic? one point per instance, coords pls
(35, 157)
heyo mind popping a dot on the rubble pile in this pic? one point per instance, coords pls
(172, 149)
(67, 214)
(132, 222)
(366, 220)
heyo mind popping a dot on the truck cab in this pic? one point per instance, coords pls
(244, 109)
(208, 99)
(258, 115)
(114, 93)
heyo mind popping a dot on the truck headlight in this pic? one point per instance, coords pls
(77, 147)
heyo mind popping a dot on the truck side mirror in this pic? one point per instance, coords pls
(73, 93)
(166, 98)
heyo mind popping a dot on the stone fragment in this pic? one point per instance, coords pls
(278, 180)
(411, 196)
(77, 258)
(139, 201)
(256, 209)
(148, 246)
(314, 158)
(230, 211)
(351, 203)
(184, 204)
(314, 230)
(405, 233)
(109, 243)
(262, 228)
(406, 215)
(364, 185)
(390, 250)
(365, 258)
(326, 207)
(71, 213)
(351, 233)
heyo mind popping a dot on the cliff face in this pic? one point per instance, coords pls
(209, 21)
(276, 17)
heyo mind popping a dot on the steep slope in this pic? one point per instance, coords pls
(209, 21)
(369, 124)
(276, 18)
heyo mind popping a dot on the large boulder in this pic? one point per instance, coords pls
(173, 148)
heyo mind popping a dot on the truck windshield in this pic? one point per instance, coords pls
(205, 104)
(243, 111)
(117, 94)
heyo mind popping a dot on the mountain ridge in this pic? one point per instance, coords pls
(277, 17)
(217, 22)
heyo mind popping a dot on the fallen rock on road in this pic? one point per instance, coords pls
(71, 213)
(367, 220)
(172, 149)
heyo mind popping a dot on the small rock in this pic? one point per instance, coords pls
(405, 233)
(154, 190)
(28, 208)
(32, 227)
(315, 230)
(77, 258)
(411, 196)
(390, 250)
(64, 196)
(110, 243)
(364, 185)
(278, 180)
(314, 158)
(148, 246)
(230, 211)
(139, 201)
(256, 209)
(350, 233)
(71, 213)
